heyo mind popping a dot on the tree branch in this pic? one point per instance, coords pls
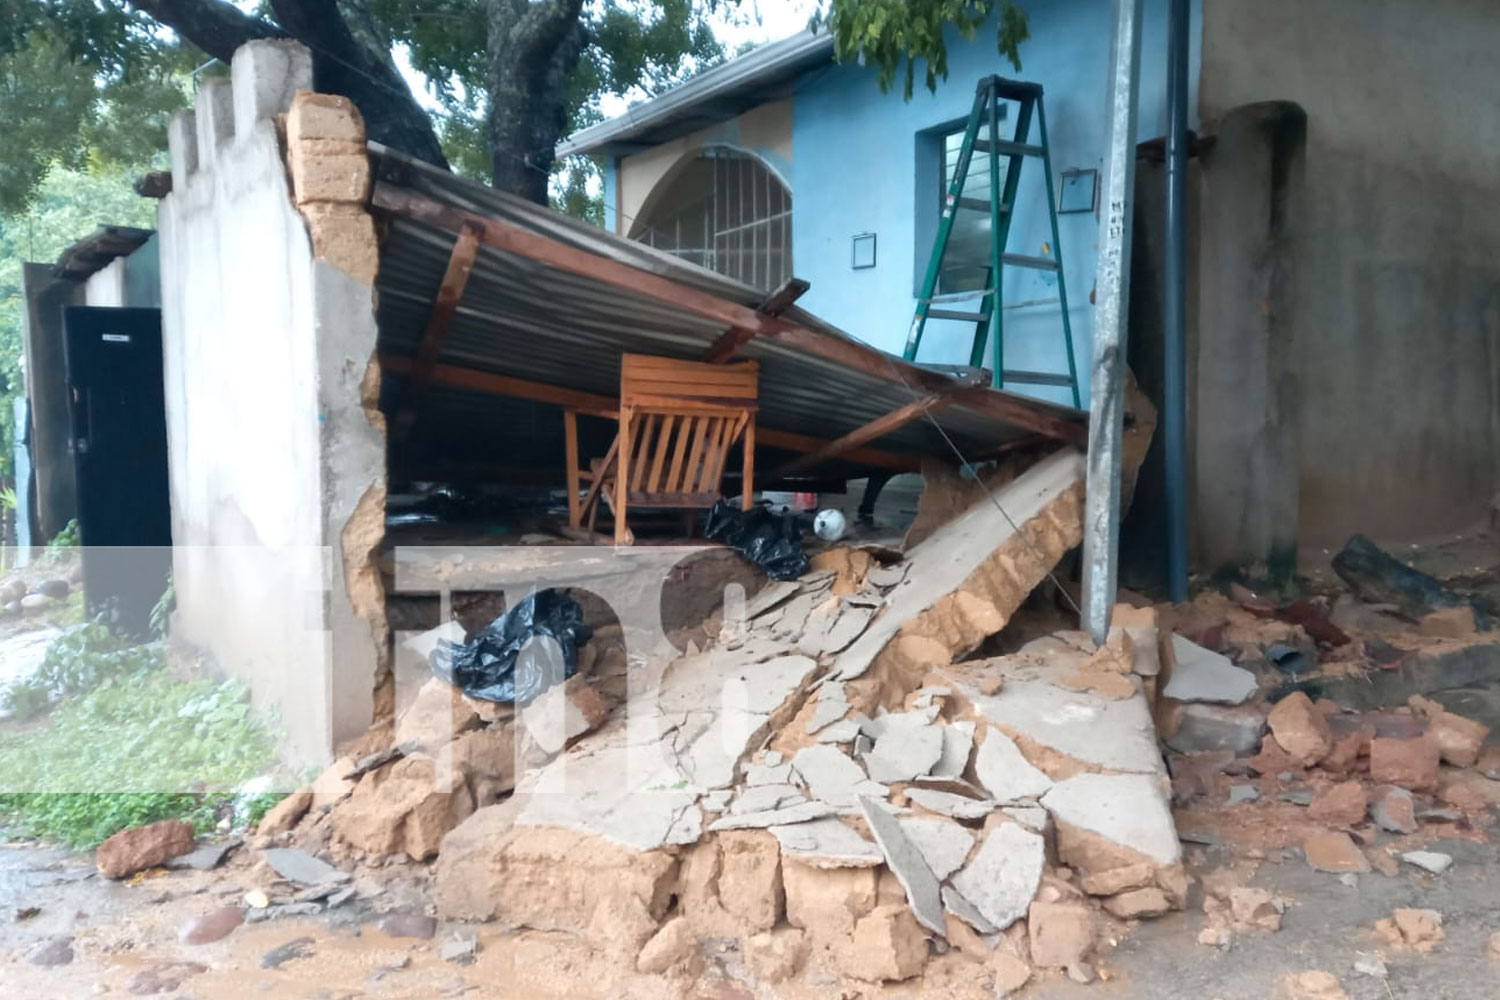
(215, 27)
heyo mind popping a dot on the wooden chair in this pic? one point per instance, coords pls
(678, 421)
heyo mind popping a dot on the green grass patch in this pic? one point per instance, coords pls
(127, 744)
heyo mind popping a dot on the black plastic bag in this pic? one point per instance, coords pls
(772, 541)
(491, 667)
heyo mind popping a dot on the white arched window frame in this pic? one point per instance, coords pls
(728, 211)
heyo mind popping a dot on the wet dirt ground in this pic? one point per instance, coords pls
(121, 929)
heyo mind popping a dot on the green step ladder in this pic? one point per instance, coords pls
(990, 98)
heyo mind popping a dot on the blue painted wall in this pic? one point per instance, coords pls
(857, 168)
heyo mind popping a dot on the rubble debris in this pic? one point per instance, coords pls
(162, 978)
(1334, 852)
(1316, 985)
(207, 857)
(1419, 930)
(211, 926)
(1448, 623)
(1300, 729)
(1240, 794)
(1429, 861)
(1377, 577)
(777, 955)
(1129, 810)
(673, 945)
(51, 951)
(907, 862)
(1255, 908)
(460, 949)
(1012, 973)
(491, 667)
(1002, 878)
(904, 753)
(887, 946)
(833, 777)
(285, 814)
(1138, 903)
(944, 846)
(1343, 804)
(299, 866)
(1370, 964)
(1493, 945)
(1005, 772)
(1410, 763)
(826, 843)
(1061, 934)
(1459, 740)
(1203, 728)
(139, 848)
(1113, 881)
(296, 948)
(1201, 675)
(798, 814)
(949, 804)
(409, 925)
(1393, 809)
(404, 808)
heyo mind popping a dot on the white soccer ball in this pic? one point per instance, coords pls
(829, 525)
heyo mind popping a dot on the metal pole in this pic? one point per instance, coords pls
(1174, 347)
(1101, 524)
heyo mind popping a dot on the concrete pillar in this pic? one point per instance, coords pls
(267, 75)
(215, 120)
(1245, 488)
(182, 147)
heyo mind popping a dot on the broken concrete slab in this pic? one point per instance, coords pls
(826, 843)
(945, 846)
(1031, 817)
(830, 705)
(949, 804)
(772, 595)
(1005, 772)
(1201, 675)
(904, 753)
(1429, 861)
(801, 813)
(301, 867)
(958, 904)
(965, 579)
(833, 777)
(1004, 875)
(768, 774)
(906, 860)
(1203, 728)
(958, 743)
(1131, 810)
(763, 798)
(853, 618)
(1116, 734)
(845, 731)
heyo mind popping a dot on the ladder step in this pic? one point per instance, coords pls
(980, 205)
(1008, 148)
(977, 293)
(954, 314)
(1038, 378)
(1037, 263)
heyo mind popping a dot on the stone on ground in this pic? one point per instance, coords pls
(1315, 985)
(1199, 728)
(285, 814)
(1012, 973)
(775, 956)
(211, 926)
(1334, 852)
(1139, 903)
(673, 945)
(1459, 740)
(1112, 881)
(1254, 908)
(1411, 763)
(1393, 809)
(887, 946)
(1430, 861)
(1419, 930)
(141, 847)
(407, 808)
(944, 846)
(1061, 934)
(1201, 675)
(1448, 623)
(1300, 729)
(1343, 804)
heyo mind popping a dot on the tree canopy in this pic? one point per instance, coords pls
(94, 81)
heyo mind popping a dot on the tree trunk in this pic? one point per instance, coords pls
(533, 47)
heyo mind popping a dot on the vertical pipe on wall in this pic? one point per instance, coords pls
(1101, 525)
(1174, 302)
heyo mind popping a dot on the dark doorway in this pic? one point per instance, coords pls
(120, 450)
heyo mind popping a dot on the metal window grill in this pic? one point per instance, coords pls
(727, 212)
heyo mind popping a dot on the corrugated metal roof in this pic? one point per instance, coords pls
(715, 95)
(524, 319)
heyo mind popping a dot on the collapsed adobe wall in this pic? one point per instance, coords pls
(275, 446)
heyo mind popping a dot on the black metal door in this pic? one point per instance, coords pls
(120, 451)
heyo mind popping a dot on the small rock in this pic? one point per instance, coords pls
(1343, 804)
(1138, 903)
(1300, 729)
(211, 926)
(775, 956)
(25, 913)
(1011, 972)
(1430, 861)
(1062, 934)
(301, 867)
(409, 925)
(888, 945)
(1440, 816)
(205, 858)
(1081, 972)
(1334, 852)
(1350, 880)
(1214, 936)
(1421, 930)
(162, 978)
(57, 589)
(1113, 881)
(1465, 797)
(52, 951)
(296, 948)
(1243, 793)
(1316, 985)
(1298, 797)
(1412, 764)
(1448, 623)
(35, 602)
(459, 949)
(256, 899)
(1393, 810)
(138, 848)
(1370, 965)
(1201, 727)
(1254, 908)
(285, 814)
(671, 945)
(1459, 740)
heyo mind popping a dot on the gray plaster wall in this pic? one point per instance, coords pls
(262, 343)
(56, 483)
(1390, 365)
